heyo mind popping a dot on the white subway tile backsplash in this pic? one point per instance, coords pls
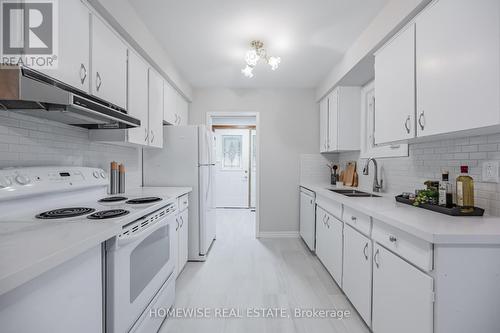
(427, 160)
(29, 141)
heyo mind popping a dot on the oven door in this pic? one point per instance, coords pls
(137, 266)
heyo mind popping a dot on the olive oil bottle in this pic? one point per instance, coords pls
(465, 191)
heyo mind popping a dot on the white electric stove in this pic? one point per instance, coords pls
(140, 261)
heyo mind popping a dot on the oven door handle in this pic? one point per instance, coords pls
(126, 240)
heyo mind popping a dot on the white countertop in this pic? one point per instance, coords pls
(28, 249)
(430, 226)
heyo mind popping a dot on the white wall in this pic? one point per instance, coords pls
(395, 14)
(122, 16)
(288, 128)
(27, 141)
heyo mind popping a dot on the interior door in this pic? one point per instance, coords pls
(402, 295)
(232, 168)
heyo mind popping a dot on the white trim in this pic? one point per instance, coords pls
(279, 234)
(209, 116)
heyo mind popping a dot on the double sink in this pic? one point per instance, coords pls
(356, 194)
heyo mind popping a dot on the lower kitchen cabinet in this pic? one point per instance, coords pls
(403, 296)
(329, 243)
(182, 234)
(357, 272)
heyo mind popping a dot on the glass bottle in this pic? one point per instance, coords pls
(445, 193)
(465, 191)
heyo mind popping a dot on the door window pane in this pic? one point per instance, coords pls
(231, 145)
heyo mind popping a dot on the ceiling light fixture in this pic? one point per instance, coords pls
(253, 56)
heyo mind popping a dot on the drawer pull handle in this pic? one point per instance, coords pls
(375, 258)
(365, 251)
(393, 239)
(354, 218)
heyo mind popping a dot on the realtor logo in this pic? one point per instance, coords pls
(29, 33)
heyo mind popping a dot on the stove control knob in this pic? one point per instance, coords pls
(95, 174)
(23, 180)
(5, 182)
(103, 174)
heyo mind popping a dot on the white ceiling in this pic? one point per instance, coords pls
(207, 39)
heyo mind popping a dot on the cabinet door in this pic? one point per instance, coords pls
(307, 220)
(457, 57)
(333, 121)
(395, 88)
(182, 110)
(155, 110)
(321, 242)
(334, 265)
(138, 98)
(402, 295)
(357, 272)
(109, 64)
(323, 125)
(74, 41)
(183, 243)
(169, 103)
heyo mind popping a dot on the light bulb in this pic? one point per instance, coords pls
(274, 62)
(247, 71)
(252, 58)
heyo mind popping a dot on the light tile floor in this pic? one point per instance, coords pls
(243, 272)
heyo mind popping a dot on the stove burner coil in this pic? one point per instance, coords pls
(113, 199)
(63, 213)
(108, 214)
(146, 200)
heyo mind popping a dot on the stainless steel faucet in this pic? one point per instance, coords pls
(377, 187)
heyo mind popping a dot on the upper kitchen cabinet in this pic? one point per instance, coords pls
(138, 98)
(340, 120)
(155, 98)
(73, 66)
(457, 66)
(109, 64)
(175, 107)
(395, 88)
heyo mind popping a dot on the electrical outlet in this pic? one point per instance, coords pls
(490, 171)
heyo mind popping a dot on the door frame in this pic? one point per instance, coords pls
(209, 121)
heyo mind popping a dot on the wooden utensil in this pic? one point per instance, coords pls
(349, 174)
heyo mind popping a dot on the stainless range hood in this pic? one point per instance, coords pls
(30, 92)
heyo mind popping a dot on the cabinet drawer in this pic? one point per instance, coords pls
(332, 207)
(357, 220)
(413, 249)
(183, 202)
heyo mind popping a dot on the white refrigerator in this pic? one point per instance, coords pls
(188, 159)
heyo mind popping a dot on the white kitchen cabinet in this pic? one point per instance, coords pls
(323, 125)
(357, 272)
(109, 64)
(182, 234)
(340, 116)
(138, 98)
(395, 88)
(403, 296)
(329, 244)
(155, 109)
(169, 104)
(182, 110)
(73, 65)
(457, 66)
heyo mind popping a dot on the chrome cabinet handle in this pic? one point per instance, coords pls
(365, 249)
(375, 258)
(152, 136)
(177, 228)
(421, 120)
(354, 218)
(146, 135)
(83, 73)
(182, 221)
(407, 125)
(327, 220)
(392, 239)
(98, 81)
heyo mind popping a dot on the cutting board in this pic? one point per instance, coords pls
(350, 170)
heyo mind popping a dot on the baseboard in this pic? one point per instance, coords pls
(278, 234)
